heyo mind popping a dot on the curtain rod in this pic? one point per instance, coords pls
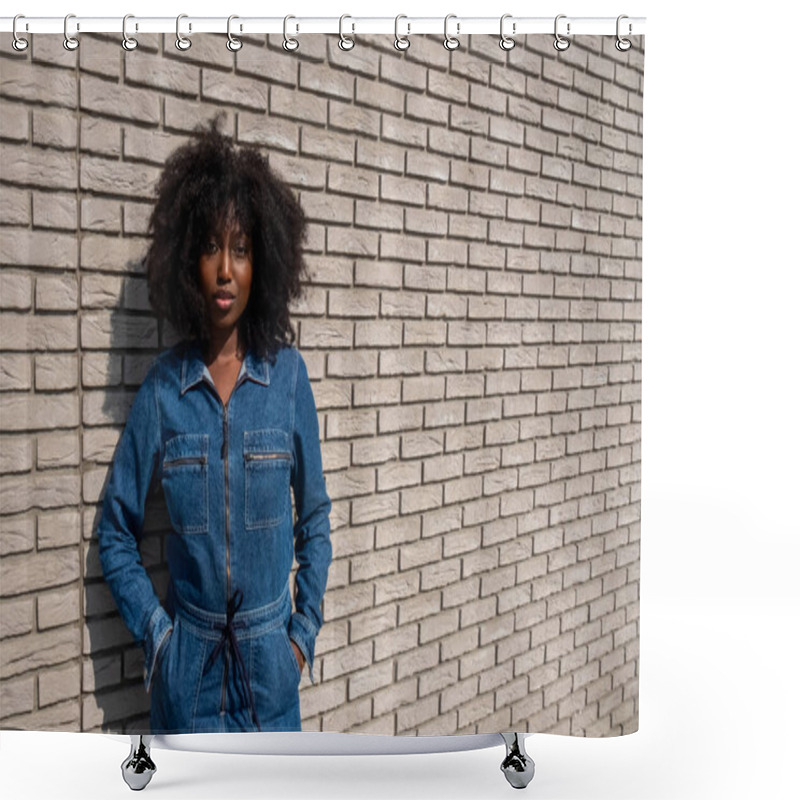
(350, 25)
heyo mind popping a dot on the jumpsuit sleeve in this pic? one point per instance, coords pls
(312, 542)
(119, 530)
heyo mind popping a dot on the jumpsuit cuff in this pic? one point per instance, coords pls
(158, 629)
(304, 634)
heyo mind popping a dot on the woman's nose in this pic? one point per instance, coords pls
(224, 265)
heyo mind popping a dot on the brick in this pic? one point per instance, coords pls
(15, 121)
(55, 211)
(101, 330)
(447, 86)
(101, 137)
(320, 79)
(408, 717)
(16, 295)
(16, 697)
(253, 59)
(104, 176)
(362, 60)
(109, 99)
(23, 80)
(37, 650)
(347, 716)
(245, 92)
(471, 712)
(274, 133)
(100, 57)
(378, 95)
(43, 570)
(100, 672)
(16, 454)
(57, 450)
(54, 129)
(59, 529)
(306, 107)
(459, 643)
(170, 75)
(455, 696)
(64, 716)
(107, 707)
(141, 144)
(101, 291)
(16, 535)
(100, 369)
(403, 73)
(38, 248)
(16, 617)
(349, 600)
(435, 679)
(59, 684)
(104, 634)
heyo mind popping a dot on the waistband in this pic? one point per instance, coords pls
(253, 622)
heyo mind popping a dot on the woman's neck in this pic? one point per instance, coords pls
(223, 348)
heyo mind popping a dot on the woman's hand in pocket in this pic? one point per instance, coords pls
(298, 654)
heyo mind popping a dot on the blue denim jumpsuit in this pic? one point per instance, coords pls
(219, 657)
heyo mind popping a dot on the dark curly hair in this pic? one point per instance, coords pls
(202, 183)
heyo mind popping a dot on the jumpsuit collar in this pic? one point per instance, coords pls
(194, 370)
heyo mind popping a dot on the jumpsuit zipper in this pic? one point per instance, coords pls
(227, 545)
(260, 456)
(185, 460)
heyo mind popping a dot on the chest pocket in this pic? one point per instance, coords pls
(267, 466)
(184, 476)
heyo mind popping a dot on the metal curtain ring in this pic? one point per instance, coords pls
(401, 42)
(560, 43)
(181, 42)
(622, 44)
(19, 44)
(506, 42)
(450, 42)
(128, 42)
(345, 42)
(289, 44)
(233, 44)
(70, 42)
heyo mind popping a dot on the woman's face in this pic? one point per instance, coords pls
(226, 273)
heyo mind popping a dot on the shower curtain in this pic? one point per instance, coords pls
(472, 330)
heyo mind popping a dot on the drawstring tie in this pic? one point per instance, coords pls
(229, 636)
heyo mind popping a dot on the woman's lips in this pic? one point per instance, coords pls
(223, 302)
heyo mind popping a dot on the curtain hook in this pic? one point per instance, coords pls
(346, 42)
(506, 42)
(289, 43)
(19, 44)
(70, 42)
(233, 44)
(401, 42)
(128, 42)
(560, 43)
(182, 42)
(623, 44)
(450, 42)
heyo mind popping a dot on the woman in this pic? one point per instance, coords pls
(226, 420)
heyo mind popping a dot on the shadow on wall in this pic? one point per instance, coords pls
(119, 343)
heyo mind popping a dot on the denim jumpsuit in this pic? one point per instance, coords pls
(219, 657)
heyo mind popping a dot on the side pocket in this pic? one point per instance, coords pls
(163, 652)
(267, 471)
(184, 476)
(292, 656)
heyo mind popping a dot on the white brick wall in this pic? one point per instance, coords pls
(473, 332)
